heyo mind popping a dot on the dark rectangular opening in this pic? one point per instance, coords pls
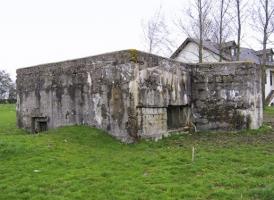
(39, 124)
(42, 126)
(176, 116)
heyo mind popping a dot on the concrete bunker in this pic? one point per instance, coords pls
(132, 95)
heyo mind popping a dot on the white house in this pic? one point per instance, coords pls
(189, 50)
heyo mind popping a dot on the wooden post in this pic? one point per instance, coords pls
(193, 154)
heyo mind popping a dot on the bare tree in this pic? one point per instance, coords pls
(239, 32)
(241, 16)
(263, 23)
(200, 10)
(222, 23)
(198, 23)
(156, 34)
(263, 19)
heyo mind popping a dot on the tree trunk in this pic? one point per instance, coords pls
(239, 30)
(264, 51)
(221, 31)
(201, 32)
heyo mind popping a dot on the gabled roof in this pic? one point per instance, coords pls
(208, 45)
(268, 51)
(246, 54)
(229, 44)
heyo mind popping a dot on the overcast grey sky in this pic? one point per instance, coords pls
(41, 31)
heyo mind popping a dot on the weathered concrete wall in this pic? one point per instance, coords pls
(167, 84)
(133, 95)
(227, 96)
(125, 93)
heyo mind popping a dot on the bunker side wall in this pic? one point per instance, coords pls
(105, 91)
(94, 94)
(227, 96)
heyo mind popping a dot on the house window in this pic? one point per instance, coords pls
(270, 58)
(233, 52)
(270, 77)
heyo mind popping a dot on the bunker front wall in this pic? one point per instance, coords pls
(126, 93)
(227, 96)
(159, 89)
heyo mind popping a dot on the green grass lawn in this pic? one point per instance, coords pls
(269, 110)
(85, 163)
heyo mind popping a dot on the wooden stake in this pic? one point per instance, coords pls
(193, 153)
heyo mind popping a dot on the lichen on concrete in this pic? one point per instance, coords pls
(226, 96)
(132, 95)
